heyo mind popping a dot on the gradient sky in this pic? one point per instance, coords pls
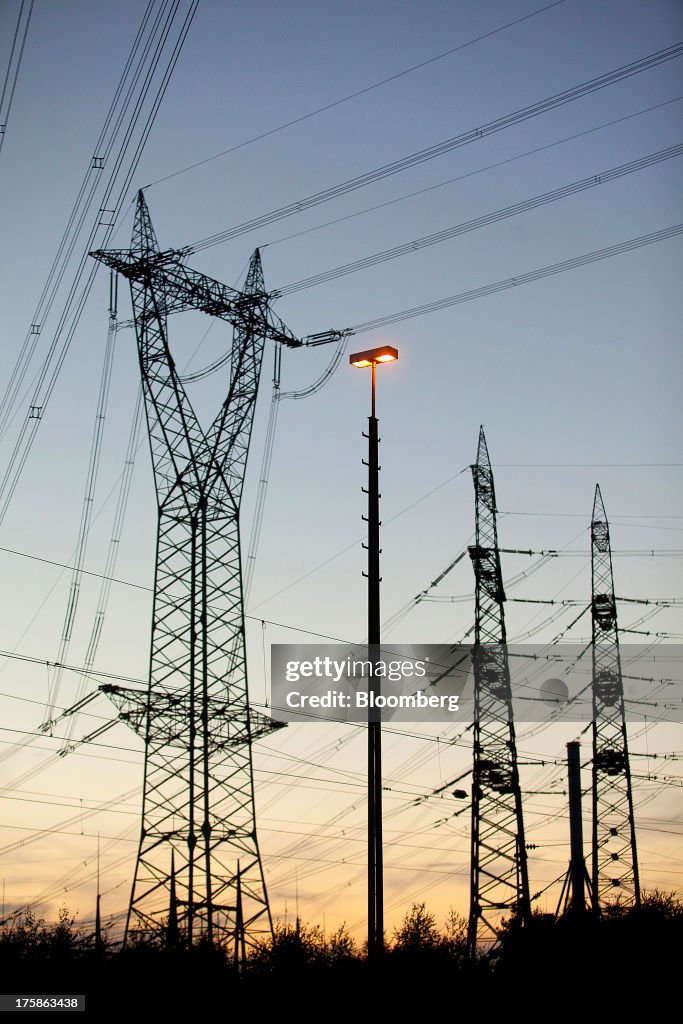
(576, 379)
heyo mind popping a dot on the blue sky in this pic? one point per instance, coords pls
(576, 377)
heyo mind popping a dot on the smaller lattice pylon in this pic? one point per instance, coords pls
(499, 881)
(614, 875)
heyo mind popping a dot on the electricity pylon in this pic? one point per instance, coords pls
(499, 882)
(198, 816)
(614, 856)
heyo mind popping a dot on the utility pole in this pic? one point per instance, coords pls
(614, 854)
(499, 882)
(573, 895)
(577, 865)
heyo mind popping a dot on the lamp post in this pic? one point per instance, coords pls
(371, 358)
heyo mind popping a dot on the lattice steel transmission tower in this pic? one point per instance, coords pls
(614, 856)
(499, 882)
(198, 870)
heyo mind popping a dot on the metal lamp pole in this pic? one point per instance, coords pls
(375, 858)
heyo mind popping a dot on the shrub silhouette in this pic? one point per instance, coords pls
(31, 937)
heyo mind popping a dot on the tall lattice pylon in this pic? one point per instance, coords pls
(198, 816)
(614, 856)
(499, 883)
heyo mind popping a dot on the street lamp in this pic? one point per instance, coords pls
(385, 354)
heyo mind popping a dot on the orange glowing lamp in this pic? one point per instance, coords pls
(385, 354)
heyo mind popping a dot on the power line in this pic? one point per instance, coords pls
(580, 515)
(349, 547)
(520, 279)
(485, 220)
(441, 148)
(108, 210)
(474, 173)
(590, 465)
(86, 511)
(103, 148)
(13, 69)
(353, 95)
(143, 587)
(113, 552)
(83, 572)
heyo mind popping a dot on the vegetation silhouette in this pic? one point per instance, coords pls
(422, 960)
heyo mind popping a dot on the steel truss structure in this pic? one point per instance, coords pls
(198, 872)
(614, 856)
(499, 883)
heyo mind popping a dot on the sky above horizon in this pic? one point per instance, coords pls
(576, 378)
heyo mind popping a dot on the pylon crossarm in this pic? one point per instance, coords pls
(184, 288)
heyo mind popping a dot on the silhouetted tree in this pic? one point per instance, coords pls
(340, 947)
(454, 940)
(417, 932)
